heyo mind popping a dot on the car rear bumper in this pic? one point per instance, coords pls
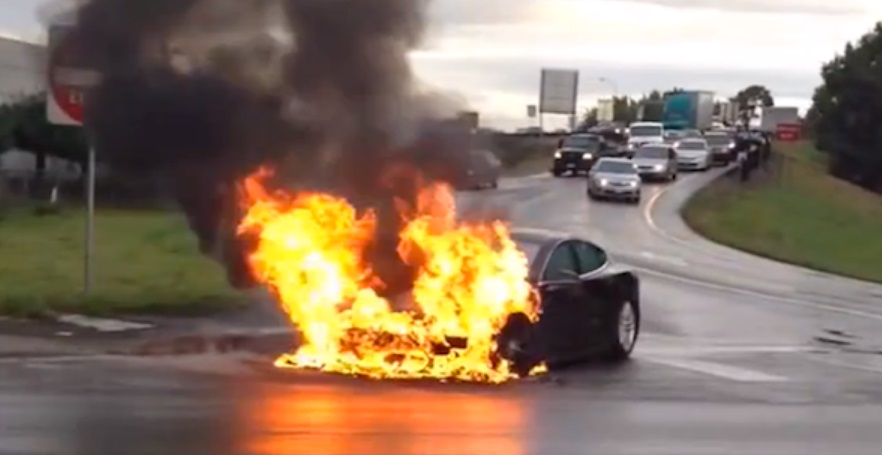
(691, 165)
(580, 165)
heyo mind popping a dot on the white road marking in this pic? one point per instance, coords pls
(102, 325)
(854, 366)
(685, 351)
(668, 259)
(719, 370)
(761, 295)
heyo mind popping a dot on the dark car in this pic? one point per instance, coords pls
(577, 153)
(482, 171)
(590, 307)
(721, 146)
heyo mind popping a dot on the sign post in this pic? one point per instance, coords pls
(68, 79)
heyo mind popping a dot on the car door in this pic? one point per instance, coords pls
(591, 259)
(562, 302)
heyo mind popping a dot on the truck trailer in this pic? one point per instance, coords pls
(692, 109)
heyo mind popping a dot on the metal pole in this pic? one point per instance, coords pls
(88, 269)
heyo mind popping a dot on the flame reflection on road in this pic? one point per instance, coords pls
(332, 420)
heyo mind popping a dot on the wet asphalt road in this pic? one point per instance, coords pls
(738, 356)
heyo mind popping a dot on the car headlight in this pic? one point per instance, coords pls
(632, 184)
(587, 156)
(604, 182)
(659, 167)
(731, 145)
(557, 154)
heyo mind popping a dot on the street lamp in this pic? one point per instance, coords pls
(611, 83)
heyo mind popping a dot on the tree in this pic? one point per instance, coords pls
(33, 132)
(754, 95)
(847, 111)
(589, 119)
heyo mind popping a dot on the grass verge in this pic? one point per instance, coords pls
(799, 215)
(145, 262)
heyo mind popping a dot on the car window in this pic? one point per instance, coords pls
(615, 167)
(581, 142)
(692, 145)
(590, 257)
(561, 260)
(651, 153)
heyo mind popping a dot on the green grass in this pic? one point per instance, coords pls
(145, 262)
(800, 215)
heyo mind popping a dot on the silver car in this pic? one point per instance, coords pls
(614, 178)
(693, 155)
(656, 162)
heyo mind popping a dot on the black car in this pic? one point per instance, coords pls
(590, 307)
(482, 171)
(577, 153)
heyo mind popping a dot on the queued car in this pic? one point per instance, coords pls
(691, 134)
(722, 146)
(672, 137)
(578, 153)
(589, 305)
(641, 133)
(615, 178)
(482, 171)
(693, 155)
(656, 162)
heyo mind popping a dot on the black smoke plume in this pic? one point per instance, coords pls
(203, 92)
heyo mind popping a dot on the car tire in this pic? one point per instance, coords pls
(556, 173)
(623, 332)
(515, 344)
(494, 184)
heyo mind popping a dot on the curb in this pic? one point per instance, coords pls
(270, 341)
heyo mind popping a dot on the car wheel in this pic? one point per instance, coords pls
(556, 173)
(624, 331)
(494, 184)
(515, 344)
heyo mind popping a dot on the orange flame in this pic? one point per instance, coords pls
(309, 253)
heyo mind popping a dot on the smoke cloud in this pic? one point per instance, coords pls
(205, 91)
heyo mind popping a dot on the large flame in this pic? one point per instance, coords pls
(310, 253)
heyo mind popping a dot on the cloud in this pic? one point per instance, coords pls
(818, 7)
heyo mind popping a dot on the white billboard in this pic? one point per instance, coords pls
(558, 91)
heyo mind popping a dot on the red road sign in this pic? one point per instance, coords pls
(788, 132)
(68, 79)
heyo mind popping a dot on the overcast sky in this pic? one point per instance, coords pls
(490, 52)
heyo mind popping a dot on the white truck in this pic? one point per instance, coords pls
(771, 117)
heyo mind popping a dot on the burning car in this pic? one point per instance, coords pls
(484, 304)
(589, 306)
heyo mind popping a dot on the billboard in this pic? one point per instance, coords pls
(558, 91)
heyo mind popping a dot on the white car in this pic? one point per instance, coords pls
(693, 155)
(642, 133)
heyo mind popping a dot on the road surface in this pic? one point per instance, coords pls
(738, 356)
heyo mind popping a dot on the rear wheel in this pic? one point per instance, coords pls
(623, 331)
